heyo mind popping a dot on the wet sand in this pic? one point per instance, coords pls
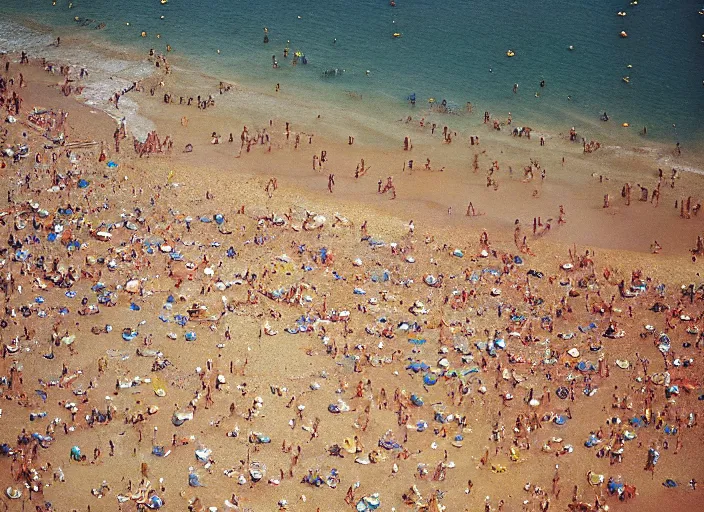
(251, 363)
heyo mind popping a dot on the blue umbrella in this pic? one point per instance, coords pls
(560, 420)
(155, 502)
(430, 379)
(129, 334)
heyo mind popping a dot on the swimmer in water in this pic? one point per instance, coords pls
(490, 70)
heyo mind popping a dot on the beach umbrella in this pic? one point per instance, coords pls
(429, 379)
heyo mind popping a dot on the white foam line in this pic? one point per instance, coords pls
(106, 75)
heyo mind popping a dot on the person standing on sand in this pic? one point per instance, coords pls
(331, 182)
(556, 482)
(116, 136)
(653, 458)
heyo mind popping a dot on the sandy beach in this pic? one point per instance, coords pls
(182, 332)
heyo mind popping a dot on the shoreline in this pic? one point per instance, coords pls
(339, 104)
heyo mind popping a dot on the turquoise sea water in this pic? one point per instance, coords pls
(453, 50)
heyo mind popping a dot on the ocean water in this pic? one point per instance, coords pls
(452, 50)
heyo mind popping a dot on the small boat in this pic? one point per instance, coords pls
(621, 13)
(623, 34)
(397, 34)
(510, 53)
(626, 79)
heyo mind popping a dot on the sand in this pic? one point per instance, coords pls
(293, 375)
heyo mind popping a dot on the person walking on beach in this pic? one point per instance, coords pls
(656, 195)
(331, 182)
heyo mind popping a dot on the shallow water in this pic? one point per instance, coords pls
(447, 50)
